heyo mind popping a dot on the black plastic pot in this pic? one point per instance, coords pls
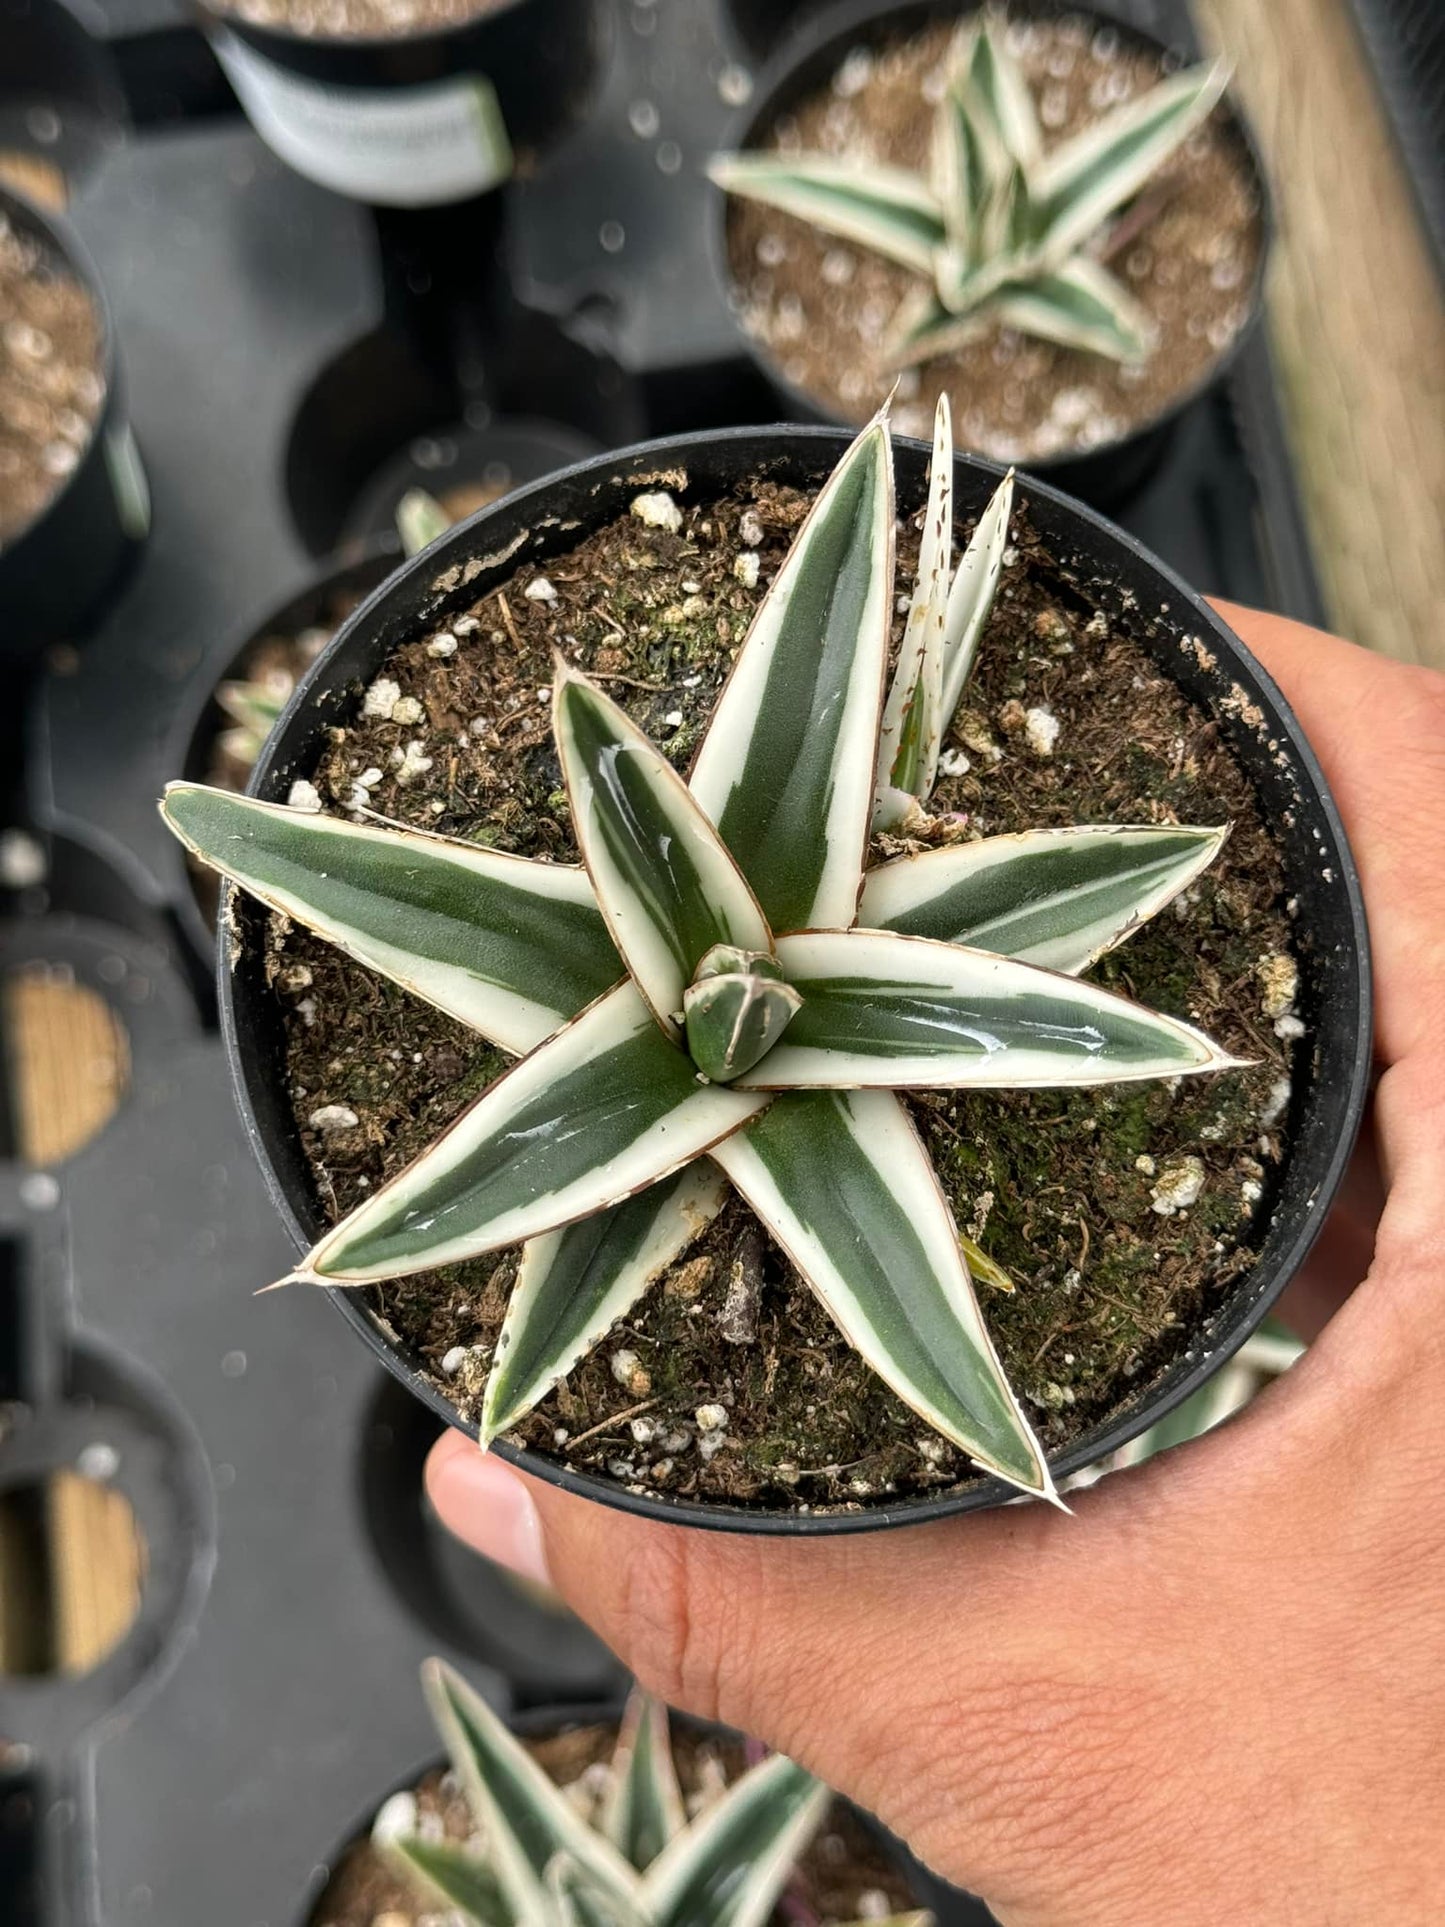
(60, 93)
(505, 454)
(1107, 475)
(1115, 572)
(56, 573)
(949, 1907)
(416, 120)
(202, 720)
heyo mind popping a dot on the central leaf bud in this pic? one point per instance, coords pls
(736, 1008)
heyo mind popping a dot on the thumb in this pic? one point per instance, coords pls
(903, 1670)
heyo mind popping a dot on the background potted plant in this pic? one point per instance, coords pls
(408, 103)
(1037, 211)
(73, 498)
(1221, 1224)
(559, 1818)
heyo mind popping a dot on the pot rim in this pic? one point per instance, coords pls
(61, 239)
(214, 18)
(815, 40)
(1248, 1301)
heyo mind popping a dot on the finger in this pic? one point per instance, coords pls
(1378, 728)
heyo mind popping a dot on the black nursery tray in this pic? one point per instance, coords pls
(268, 1692)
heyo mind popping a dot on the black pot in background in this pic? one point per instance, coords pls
(56, 573)
(61, 103)
(416, 120)
(1106, 476)
(506, 453)
(1115, 572)
(202, 720)
(949, 1907)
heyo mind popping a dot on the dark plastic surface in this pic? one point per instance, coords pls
(805, 60)
(542, 521)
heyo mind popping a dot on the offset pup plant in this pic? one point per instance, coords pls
(775, 993)
(538, 1863)
(998, 230)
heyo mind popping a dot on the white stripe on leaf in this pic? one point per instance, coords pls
(883, 1011)
(1058, 898)
(575, 1284)
(526, 1819)
(786, 768)
(509, 947)
(603, 1109)
(665, 881)
(885, 209)
(844, 1184)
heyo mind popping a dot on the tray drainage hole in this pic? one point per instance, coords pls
(67, 1058)
(72, 1563)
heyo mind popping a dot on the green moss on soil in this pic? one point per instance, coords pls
(1056, 1184)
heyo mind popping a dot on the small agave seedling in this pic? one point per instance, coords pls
(775, 993)
(536, 1862)
(999, 230)
(252, 706)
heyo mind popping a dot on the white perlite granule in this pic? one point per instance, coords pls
(658, 511)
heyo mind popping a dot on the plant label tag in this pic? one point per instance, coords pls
(394, 146)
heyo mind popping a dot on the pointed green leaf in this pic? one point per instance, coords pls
(603, 1109)
(1080, 305)
(923, 327)
(885, 209)
(255, 706)
(892, 1012)
(843, 1183)
(644, 1807)
(576, 1283)
(1086, 178)
(786, 768)
(1059, 898)
(509, 947)
(728, 1868)
(958, 175)
(993, 84)
(527, 1821)
(456, 1874)
(970, 601)
(912, 716)
(580, 1902)
(736, 1011)
(664, 880)
(420, 521)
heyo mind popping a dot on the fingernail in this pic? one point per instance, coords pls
(487, 1504)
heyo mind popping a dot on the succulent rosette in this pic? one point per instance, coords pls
(725, 993)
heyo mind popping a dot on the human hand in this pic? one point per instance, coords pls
(1218, 1691)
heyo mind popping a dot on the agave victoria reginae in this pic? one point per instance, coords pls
(535, 1861)
(999, 229)
(726, 994)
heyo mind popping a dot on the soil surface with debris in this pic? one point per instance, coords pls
(51, 385)
(843, 1876)
(359, 19)
(1075, 1193)
(823, 310)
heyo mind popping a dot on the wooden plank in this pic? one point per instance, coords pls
(1356, 320)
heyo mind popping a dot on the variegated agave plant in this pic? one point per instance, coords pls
(774, 992)
(536, 1862)
(999, 230)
